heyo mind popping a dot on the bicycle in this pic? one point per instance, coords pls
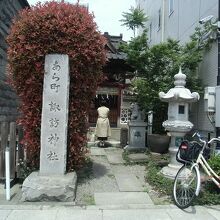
(187, 183)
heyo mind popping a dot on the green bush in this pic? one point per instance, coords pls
(157, 180)
(209, 195)
(214, 162)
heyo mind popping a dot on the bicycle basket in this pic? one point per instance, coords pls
(207, 153)
(188, 151)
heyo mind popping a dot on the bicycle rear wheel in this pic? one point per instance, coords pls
(186, 184)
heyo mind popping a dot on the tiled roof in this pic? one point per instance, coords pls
(120, 56)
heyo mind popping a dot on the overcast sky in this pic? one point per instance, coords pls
(107, 14)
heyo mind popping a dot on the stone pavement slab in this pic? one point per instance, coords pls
(114, 143)
(138, 157)
(67, 214)
(118, 198)
(129, 178)
(138, 214)
(101, 166)
(4, 214)
(214, 211)
(32, 215)
(115, 158)
(107, 212)
(114, 150)
(15, 194)
(99, 179)
(128, 182)
(95, 151)
(191, 213)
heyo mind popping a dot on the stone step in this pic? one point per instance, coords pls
(138, 158)
(115, 133)
(128, 182)
(122, 198)
(109, 143)
(115, 159)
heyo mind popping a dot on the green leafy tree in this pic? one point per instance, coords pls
(156, 66)
(134, 19)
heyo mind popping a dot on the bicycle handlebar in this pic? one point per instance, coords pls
(199, 136)
(204, 141)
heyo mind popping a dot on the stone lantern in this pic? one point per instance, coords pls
(177, 124)
(137, 130)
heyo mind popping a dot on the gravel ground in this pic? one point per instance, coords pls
(99, 179)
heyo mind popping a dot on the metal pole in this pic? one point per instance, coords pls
(7, 173)
(218, 76)
(150, 122)
(218, 34)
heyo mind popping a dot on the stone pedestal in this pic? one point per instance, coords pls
(137, 136)
(60, 188)
(177, 130)
(52, 183)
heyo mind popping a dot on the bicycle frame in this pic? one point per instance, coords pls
(209, 171)
(205, 166)
(187, 183)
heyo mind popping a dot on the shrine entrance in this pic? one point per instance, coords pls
(110, 95)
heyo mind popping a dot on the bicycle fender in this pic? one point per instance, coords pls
(196, 166)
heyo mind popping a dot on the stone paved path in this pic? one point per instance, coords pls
(103, 199)
(111, 181)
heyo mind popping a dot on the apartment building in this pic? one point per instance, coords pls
(8, 99)
(177, 19)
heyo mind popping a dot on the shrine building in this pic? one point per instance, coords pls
(114, 89)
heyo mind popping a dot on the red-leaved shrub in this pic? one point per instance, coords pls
(60, 28)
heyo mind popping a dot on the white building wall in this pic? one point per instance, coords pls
(180, 25)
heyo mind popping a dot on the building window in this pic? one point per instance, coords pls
(159, 19)
(171, 9)
(150, 32)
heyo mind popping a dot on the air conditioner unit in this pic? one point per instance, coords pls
(217, 106)
(209, 99)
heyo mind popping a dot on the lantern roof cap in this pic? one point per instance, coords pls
(179, 93)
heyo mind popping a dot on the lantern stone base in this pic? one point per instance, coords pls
(60, 188)
(130, 148)
(170, 171)
(172, 168)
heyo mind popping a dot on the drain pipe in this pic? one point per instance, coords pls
(218, 75)
(163, 22)
(7, 173)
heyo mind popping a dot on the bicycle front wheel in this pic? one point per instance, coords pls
(186, 184)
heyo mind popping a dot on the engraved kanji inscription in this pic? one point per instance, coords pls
(54, 122)
(54, 107)
(52, 156)
(55, 87)
(53, 139)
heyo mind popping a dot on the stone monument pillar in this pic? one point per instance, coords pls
(52, 182)
(137, 130)
(177, 124)
(54, 118)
